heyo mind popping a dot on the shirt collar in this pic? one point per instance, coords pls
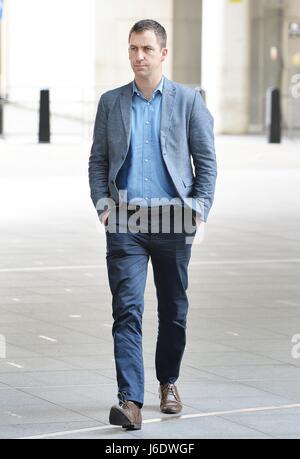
(159, 87)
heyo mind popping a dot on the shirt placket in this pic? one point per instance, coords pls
(147, 149)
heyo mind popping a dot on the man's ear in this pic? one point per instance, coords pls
(164, 54)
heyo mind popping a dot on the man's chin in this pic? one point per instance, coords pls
(140, 75)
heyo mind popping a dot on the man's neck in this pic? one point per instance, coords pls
(147, 86)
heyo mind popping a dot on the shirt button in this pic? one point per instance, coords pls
(147, 141)
(146, 180)
(147, 122)
(146, 160)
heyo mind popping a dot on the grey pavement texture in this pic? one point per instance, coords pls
(240, 374)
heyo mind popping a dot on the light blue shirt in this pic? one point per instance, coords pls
(144, 173)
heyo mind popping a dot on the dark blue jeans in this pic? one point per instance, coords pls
(127, 262)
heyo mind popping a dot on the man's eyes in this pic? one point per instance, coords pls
(147, 49)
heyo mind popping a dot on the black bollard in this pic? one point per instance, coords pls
(273, 115)
(203, 94)
(44, 121)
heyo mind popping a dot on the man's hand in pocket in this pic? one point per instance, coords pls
(197, 220)
(104, 217)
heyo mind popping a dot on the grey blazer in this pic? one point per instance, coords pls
(186, 133)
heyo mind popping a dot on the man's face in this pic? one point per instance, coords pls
(145, 54)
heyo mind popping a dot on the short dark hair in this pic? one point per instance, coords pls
(150, 24)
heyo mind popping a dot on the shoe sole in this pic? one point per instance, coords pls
(171, 410)
(117, 418)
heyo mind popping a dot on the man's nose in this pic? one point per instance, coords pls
(140, 56)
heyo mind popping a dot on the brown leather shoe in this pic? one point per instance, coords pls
(127, 415)
(170, 402)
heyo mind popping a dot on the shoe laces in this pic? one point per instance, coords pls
(171, 390)
(122, 396)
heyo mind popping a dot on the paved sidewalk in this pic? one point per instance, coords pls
(56, 357)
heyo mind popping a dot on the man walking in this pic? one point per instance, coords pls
(146, 134)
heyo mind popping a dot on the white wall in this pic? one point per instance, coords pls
(114, 19)
(76, 48)
(225, 63)
(50, 43)
(291, 46)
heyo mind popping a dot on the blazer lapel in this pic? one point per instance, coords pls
(126, 105)
(167, 106)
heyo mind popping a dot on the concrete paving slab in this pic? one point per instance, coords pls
(244, 298)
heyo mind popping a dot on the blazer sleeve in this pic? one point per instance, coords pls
(98, 160)
(202, 148)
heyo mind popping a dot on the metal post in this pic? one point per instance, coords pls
(202, 93)
(44, 119)
(273, 115)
